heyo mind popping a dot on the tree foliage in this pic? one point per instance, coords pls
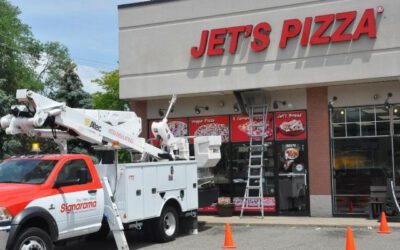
(27, 63)
(54, 65)
(70, 90)
(109, 99)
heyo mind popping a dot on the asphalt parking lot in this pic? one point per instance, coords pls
(257, 237)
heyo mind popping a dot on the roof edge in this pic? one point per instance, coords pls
(145, 3)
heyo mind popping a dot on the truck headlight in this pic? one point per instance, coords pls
(5, 215)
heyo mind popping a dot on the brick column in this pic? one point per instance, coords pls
(140, 108)
(319, 152)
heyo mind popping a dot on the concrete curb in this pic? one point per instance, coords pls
(294, 221)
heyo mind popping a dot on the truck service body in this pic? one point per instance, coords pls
(45, 199)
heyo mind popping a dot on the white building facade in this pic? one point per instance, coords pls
(331, 66)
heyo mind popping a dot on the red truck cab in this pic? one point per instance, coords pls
(47, 198)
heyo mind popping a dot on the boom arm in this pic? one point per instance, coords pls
(95, 126)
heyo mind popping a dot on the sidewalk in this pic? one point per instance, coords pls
(294, 221)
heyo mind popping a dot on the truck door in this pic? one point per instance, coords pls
(80, 208)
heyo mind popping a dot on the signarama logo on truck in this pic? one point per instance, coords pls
(77, 207)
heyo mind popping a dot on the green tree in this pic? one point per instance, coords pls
(25, 62)
(19, 57)
(70, 90)
(55, 62)
(19, 51)
(109, 99)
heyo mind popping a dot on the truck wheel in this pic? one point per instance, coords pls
(167, 227)
(33, 239)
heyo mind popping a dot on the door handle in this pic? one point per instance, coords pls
(92, 191)
(305, 178)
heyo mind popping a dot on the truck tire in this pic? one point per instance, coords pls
(167, 226)
(33, 238)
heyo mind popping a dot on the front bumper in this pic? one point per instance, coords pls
(4, 233)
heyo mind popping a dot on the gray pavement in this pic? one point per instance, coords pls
(297, 233)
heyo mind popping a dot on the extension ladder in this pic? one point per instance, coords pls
(254, 194)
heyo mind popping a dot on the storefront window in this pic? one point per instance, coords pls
(360, 122)
(240, 163)
(358, 164)
(362, 154)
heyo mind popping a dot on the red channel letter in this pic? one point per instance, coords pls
(339, 35)
(199, 51)
(326, 21)
(291, 28)
(306, 31)
(261, 37)
(235, 33)
(217, 38)
(367, 25)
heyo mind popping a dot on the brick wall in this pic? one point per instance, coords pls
(140, 108)
(318, 141)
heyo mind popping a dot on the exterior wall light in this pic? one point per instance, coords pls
(161, 112)
(331, 102)
(198, 109)
(276, 104)
(387, 104)
(235, 108)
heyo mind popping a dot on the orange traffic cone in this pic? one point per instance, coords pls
(350, 240)
(228, 237)
(384, 228)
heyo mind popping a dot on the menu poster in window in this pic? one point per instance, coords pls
(241, 129)
(210, 125)
(269, 204)
(290, 125)
(178, 127)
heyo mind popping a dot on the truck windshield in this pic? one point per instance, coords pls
(26, 171)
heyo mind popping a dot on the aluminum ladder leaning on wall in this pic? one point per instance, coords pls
(254, 194)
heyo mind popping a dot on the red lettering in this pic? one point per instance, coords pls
(217, 38)
(235, 33)
(261, 37)
(306, 31)
(249, 29)
(347, 18)
(326, 21)
(367, 25)
(199, 51)
(290, 29)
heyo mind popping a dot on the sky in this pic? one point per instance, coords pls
(88, 28)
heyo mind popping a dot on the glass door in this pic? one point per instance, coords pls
(293, 178)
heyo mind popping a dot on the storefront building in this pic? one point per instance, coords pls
(331, 68)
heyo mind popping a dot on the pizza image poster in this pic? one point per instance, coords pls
(210, 125)
(291, 125)
(178, 127)
(269, 204)
(241, 129)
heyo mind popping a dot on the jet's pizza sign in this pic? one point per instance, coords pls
(323, 29)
